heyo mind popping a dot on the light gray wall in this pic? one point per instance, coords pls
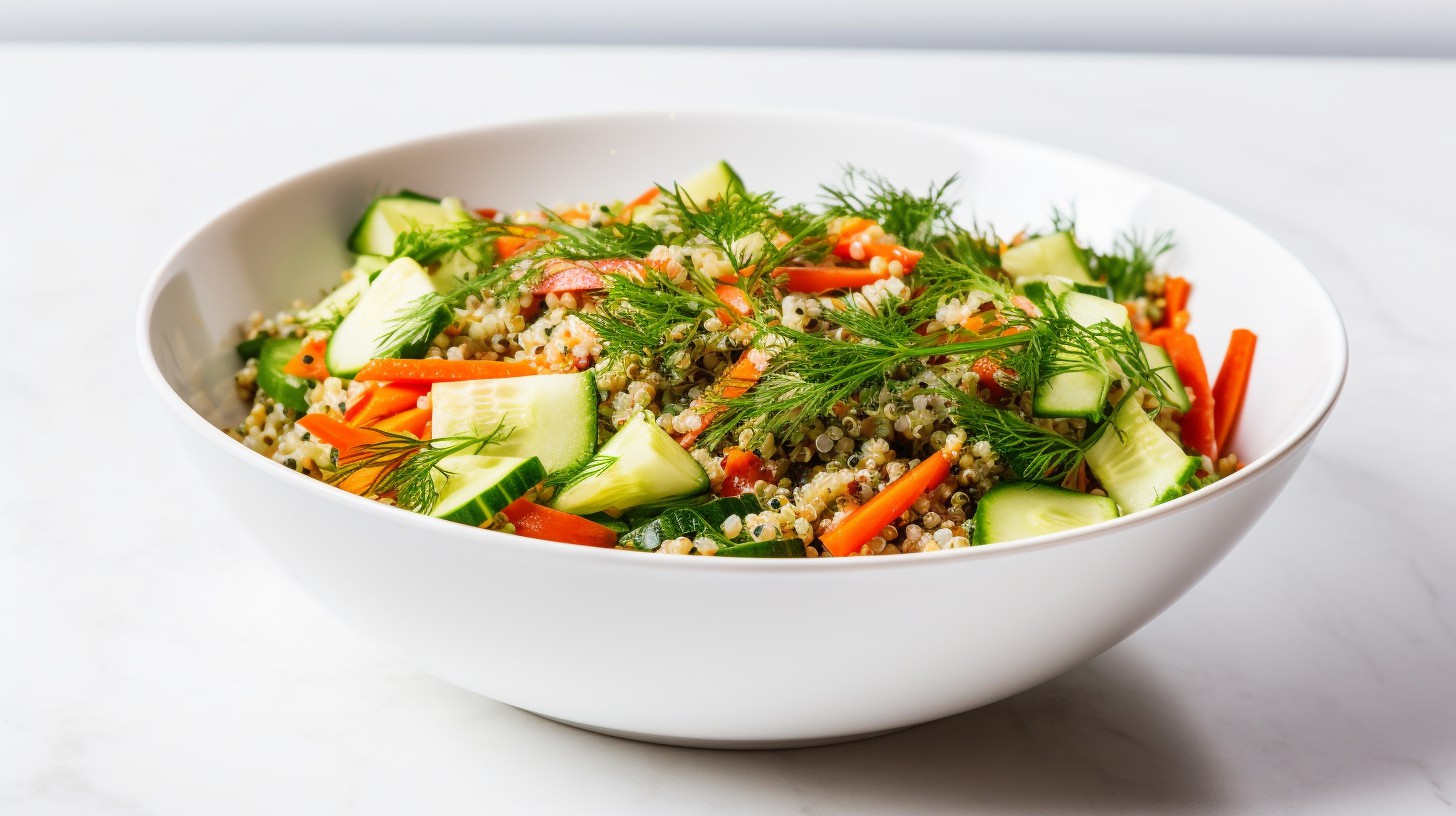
(1361, 27)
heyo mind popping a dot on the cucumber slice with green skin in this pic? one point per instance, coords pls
(710, 183)
(285, 389)
(1042, 291)
(388, 216)
(477, 487)
(704, 519)
(1138, 464)
(1013, 510)
(1162, 366)
(357, 339)
(640, 465)
(778, 548)
(1056, 254)
(252, 347)
(552, 416)
(1073, 394)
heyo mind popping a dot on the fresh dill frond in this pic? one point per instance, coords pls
(1034, 453)
(328, 322)
(612, 239)
(938, 278)
(571, 476)
(1133, 257)
(727, 222)
(975, 246)
(653, 318)
(429, 245)
(408, 467)
(911, 218)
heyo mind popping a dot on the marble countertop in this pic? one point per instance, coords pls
(153, 660)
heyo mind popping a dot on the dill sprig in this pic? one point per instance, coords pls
(653, 318)
(911, 218)
(727, 221)
(1034, 453)
(612, 239)
(812, 373)
(429, 245)
(408, 467)
(939, 277)
(1133, 257)
(976, 246)
(571, 476)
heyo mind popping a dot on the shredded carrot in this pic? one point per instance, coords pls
(828, 278)
(1198, 423)
(866, 522)
(436, 370)
(1232, 384)
(308, 363)
(535, 521)
(382, 401)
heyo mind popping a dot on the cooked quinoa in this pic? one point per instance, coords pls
(819, 447)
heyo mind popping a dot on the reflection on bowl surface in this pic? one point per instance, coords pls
(728, 651)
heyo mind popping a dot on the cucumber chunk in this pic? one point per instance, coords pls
(777, 548)
(703, 519)
(1138, 464)
(1013, 510)
(388, 216)
(343, 299)
(553, 416)
(285, 389)
(357, 339)
(710, 183)
(1162, 365)
(1089, 310)
(640, 465)
(1056, 254)
(1075, 394)
(477, 487)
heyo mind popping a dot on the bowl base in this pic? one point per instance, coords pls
(725, 745)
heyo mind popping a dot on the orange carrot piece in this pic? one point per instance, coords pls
(866, 522)
(436, 370)
(1175, 298)
(741, 471)
(737, 301)
(990, 372)
(1232, 384)
(1198, 423)
(827, 278)
(488, 213)
(384, 401)
(534, 521)
(308, 363)
(411, 421)
(741, 377)
(647, 197)
(346, 438)
(508, 245)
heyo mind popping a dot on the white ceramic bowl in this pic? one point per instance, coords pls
(734, 652)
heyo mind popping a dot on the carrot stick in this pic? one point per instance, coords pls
(736, 300)
(1198, 423)
(508, 245)
(308, 363)
(1232, 384)
(346, 438)
(534, 521)
(436, 370)
(866, 522)
(741, 377)
(384, 401)
(827, 278)
(646, 198)
(412, 421)
(1175, 298)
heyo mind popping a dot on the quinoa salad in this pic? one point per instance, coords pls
(709, 370)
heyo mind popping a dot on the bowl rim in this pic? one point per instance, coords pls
(1336, 341)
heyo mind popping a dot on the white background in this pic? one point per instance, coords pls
(1401, 28)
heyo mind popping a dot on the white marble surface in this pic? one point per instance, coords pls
(153, 661)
